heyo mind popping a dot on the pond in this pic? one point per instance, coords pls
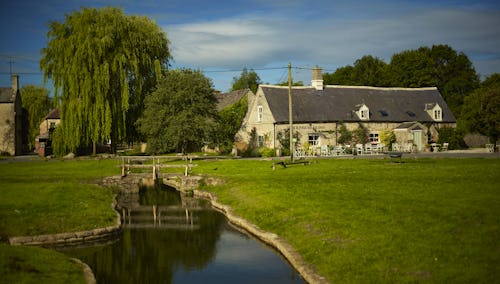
(176, 245)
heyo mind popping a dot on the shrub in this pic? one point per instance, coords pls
(267, 152)
(387, 137)
(452, 136)
(345, 135)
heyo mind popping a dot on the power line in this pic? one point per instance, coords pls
(204, 71)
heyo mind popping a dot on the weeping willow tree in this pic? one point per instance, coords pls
(102, 64)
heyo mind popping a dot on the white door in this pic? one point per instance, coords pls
(417, 139)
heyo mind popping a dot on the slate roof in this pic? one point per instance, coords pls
(54, 114)
(339, 103)
(227, 99)
(6, 95)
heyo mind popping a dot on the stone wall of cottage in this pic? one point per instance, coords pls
(45, 125)
(329, 132)
(7, 128)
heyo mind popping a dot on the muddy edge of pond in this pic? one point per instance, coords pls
(306, 271)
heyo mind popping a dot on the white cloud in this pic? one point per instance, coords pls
(260, 39)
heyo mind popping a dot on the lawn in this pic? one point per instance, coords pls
(424, 220)
(36, 265)
(54, 197)
(367, 221)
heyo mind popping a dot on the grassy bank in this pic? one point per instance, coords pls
(46, 198)
(435, 220)
(370, 221)
(54, 197)
(36, 265)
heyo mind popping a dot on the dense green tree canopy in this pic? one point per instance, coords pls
(367, 71)
(36, 102)
(438, 66)
(102, 63)
(180, 115)
(247, 80)
(481, 110)
(294, 83)
(341, 76)
(230, 120)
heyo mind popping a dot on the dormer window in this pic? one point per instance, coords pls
(434, 111)
(363, 112)
(437, 114)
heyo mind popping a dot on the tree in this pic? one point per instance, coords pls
(230, 119)
(341, 76)
(481, 110)
(180, 114)
(296, 84)
(367, 71)
(36, 103)
(439, 66)
(102, 63)
(247, 80)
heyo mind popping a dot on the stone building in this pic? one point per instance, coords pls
(319, 111)
(11, 119)
(43, 142)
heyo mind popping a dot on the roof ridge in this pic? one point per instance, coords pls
(383, 88)
(355, 87)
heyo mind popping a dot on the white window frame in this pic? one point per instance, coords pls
(260, 112)
(313, 139)
(438, 115)
(364, 112)
(260, 140)
(374, 137)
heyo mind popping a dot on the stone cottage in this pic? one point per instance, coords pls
(11, 119)
(43, 142)
(318, 111)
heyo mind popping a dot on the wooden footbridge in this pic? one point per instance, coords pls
(156, 164)
(173, 171)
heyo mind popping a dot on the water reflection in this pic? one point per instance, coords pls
(178, 247)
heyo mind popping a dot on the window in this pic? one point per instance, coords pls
(437, 114)
(435, 111)
(410, 113)
(52, 125)
(313, 139)
(363, 112)
(260, 140)
(260, 110)
(374, 137)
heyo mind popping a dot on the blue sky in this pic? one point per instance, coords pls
(223, 37)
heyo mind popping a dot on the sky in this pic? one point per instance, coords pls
(222, 37)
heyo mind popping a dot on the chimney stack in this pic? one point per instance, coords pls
(317, 78)
(15, 83)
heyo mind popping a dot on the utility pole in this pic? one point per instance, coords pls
(11, 61)
(292, 150)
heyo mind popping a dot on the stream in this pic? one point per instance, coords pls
(171, 238)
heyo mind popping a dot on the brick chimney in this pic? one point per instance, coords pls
(317, 78)
(15, 83)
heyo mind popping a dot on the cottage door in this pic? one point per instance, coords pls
(417, 139)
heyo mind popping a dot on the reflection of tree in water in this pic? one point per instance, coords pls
(153, 255)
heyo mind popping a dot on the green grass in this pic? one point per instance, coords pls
(54, 197)
(425, 220)
(35, 265)
(46, 198)
(367, 221)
